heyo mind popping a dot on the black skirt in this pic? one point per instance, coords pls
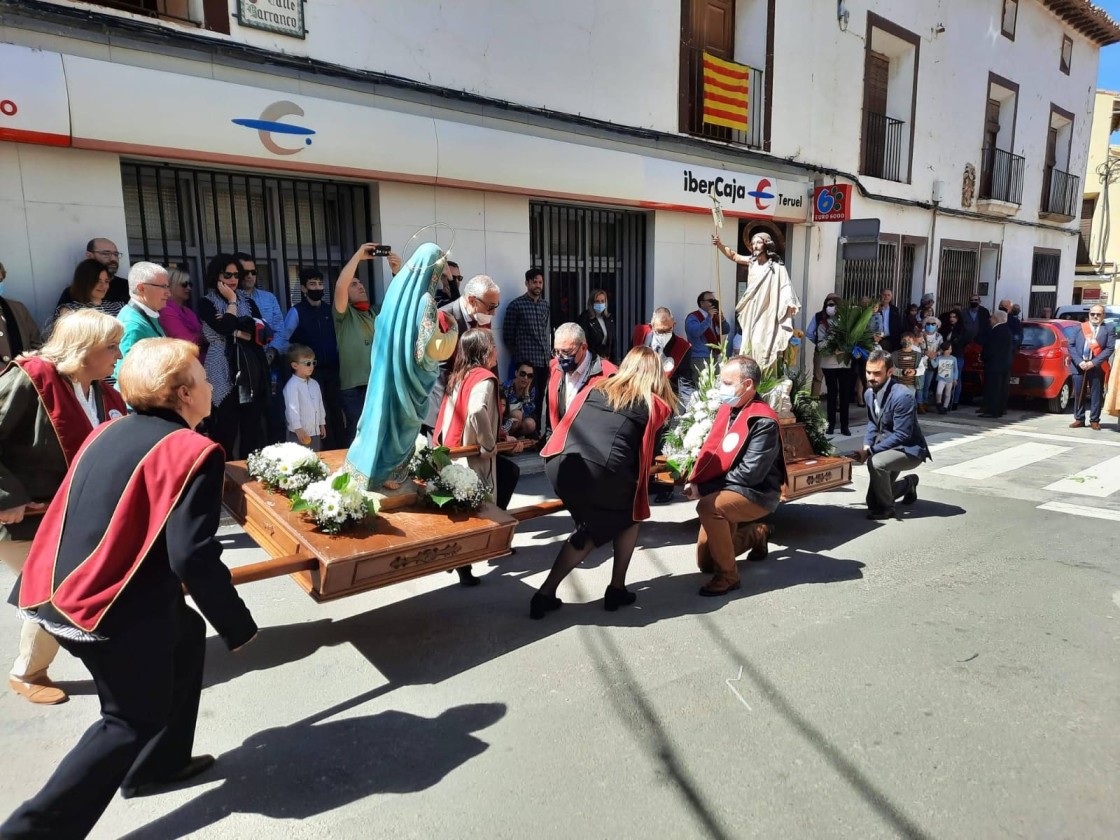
(601, 501)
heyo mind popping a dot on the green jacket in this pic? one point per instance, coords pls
(138, 325)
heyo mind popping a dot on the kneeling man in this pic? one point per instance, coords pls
(738, 476)
(893, 442)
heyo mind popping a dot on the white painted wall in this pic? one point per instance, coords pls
(818, 89)
(52, 202)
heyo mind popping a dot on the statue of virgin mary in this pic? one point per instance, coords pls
(410, 340)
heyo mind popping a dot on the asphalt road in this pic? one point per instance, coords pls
(953, 674)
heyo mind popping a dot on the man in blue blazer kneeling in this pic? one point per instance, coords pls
(893, 442)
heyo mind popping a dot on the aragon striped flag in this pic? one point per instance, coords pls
(726, 92)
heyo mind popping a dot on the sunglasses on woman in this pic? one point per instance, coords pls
(229, 275)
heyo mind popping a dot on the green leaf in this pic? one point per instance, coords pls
(299, 504)
(440, 501)
(340, 481)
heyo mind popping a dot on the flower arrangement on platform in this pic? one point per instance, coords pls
(849, 333)
(688, 433)
(335, 503)
(427, 462)
(286, 467)
(457, 487)
(445, 484)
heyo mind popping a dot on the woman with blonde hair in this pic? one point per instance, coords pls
(177, 318)
(133, 524)
(50, 401)
(598, 325)
(598, 461)
(470, 415)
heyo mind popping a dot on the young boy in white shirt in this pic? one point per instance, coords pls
(303, 400)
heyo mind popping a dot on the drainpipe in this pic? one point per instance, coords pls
(809, 228)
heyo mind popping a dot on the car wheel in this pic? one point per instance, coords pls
(1060, 403)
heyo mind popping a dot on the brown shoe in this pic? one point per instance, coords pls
(1077, 424)
(39, 690)
(1096, 427)
(718, 587)
(760, 543)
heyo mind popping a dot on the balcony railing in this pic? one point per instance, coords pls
(692, 105)
(882, 146)
(1060, 193)
(1001, 176)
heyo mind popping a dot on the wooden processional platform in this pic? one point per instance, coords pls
(401, 543)
(407, 540)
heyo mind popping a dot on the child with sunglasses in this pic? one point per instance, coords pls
(303, 400)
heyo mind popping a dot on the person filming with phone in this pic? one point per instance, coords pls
(701, 329)
(353, 327)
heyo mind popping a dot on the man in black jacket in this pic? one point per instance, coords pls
(737, 478)
(997, 353)
(134, 520)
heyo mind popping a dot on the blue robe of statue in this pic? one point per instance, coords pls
(402, 371)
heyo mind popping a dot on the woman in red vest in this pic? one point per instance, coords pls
(470, 416)
(50, 401)
(598, 462)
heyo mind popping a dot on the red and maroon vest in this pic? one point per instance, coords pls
(82, 589)
(657, 418)
(675, 350)
(454, 436)
(1094, 345)
(555, 376)
(71, 425)
(725, 442)
(710, 335)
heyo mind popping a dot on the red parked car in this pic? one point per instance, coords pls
(1039, 370)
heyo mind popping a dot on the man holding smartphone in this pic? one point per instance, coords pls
(700, 328)
(353, 328)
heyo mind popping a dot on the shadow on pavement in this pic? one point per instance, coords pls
(309, 768)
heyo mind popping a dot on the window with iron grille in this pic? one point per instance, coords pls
(182, 217)
(958, 276)
(1044, 281)
(894, 270)
(585, 248)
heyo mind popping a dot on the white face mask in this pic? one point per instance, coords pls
(830, 310)
(728, 394)
(482, 318)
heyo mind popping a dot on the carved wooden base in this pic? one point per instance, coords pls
(400, 544)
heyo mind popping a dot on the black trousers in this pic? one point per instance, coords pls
(506, 476)
(1092, 381)
(838, 381)
(997, 387)
(149, 680)
(233, 421)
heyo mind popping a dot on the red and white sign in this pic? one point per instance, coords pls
(1091, 295)
(33, 100)
(832, 203)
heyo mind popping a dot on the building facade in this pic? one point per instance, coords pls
(566, 136)
(1098, 248)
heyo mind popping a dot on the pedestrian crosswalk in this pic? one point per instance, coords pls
(1035, 461)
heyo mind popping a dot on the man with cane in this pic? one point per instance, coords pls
(1089, 353)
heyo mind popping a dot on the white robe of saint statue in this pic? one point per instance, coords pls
(766, 312)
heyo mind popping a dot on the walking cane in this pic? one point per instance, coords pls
(1079, 403)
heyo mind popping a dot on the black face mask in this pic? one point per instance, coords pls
(975, 305)
(314, 295)
(567, 363)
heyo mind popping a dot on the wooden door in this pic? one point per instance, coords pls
(876, 74)
(708, 25)
(991, 138)
(1048, 167)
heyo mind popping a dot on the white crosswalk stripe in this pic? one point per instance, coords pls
(1100, 480)
(997, 463)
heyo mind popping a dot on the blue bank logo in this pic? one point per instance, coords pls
(268, 124)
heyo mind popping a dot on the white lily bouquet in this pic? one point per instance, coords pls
(685, 438)
(286, 467)
(456, 487)
(335, 503)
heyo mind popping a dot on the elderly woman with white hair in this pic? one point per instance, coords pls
(998, 350)
(149, 289)
(133, 522)
(50, 401)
